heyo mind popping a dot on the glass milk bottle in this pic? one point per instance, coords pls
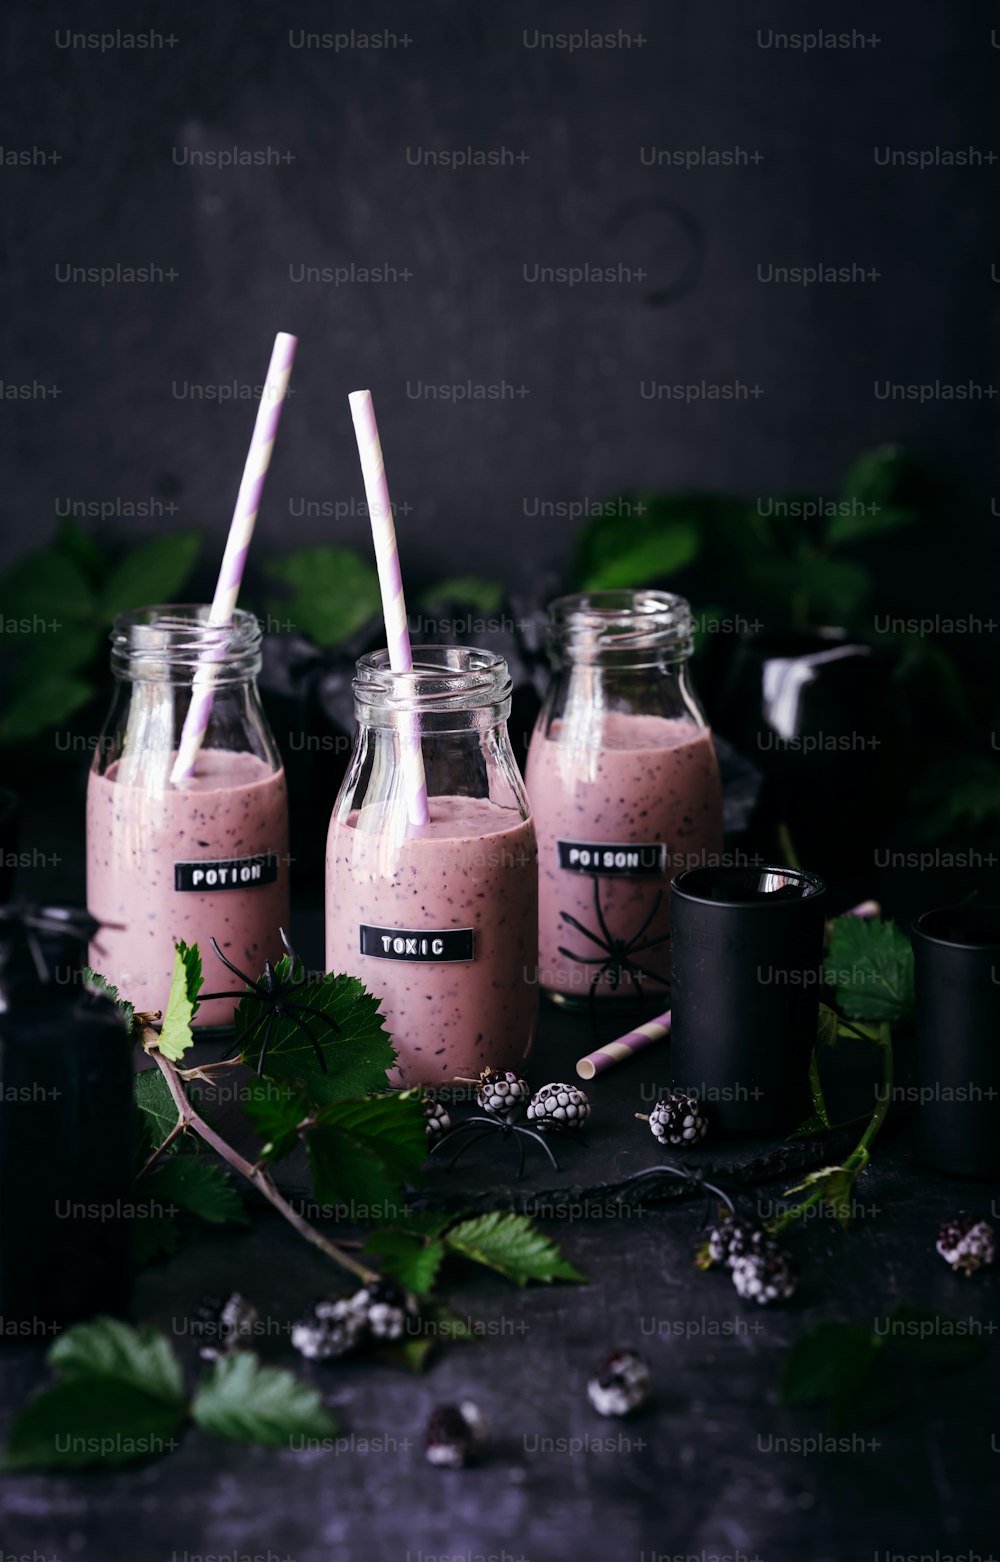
(624, 786)
(438, 920)
(203, 857)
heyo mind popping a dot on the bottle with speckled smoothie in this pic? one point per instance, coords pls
(625, 791)
(203, 858)
(439, 920)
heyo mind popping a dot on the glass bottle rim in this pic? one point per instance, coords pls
(168, 642)
(447, 682)
(588, 625)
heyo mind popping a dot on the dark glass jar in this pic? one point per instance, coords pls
(65, 1130)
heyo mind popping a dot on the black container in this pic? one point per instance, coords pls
(10, 832)
(65, 1130)
(747, 947)
(809, 708)
(957, 981)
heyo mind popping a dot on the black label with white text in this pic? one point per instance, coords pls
(401, 943)
(643, 859)
(226, 873)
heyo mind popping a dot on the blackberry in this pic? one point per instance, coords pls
(764, 1275)
(733, 1237)
(455, 1434)
(621, 1384)
(558, 1106)
(438, 1120)
(502, 1092)
(332, 1329)
(678, 1119)
(222, 1326)
(966, 1243)
(384, 1309)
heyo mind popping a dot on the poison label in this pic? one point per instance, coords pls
(425, 946)
(226, 873)
(643, 859)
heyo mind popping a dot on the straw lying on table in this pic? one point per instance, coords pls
(234, 559)
(617, 1051)
(390, 581)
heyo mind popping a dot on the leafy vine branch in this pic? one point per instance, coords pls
(188, 1118)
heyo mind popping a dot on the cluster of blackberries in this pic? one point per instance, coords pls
(678, 1119)
(456, 1434)
(966, 1243)
(379, 1311)
(762, 1270)
(222, 1325)
(505, 1094)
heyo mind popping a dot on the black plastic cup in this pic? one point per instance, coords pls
(956, 956)
(746, 957)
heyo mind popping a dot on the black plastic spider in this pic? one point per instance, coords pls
(273, 991)
(616, 962)
(506, 1126)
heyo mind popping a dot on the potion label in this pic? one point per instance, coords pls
(212, 875)
(637, 860)
(425, 946)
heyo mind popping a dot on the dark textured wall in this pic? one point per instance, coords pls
(347, 128)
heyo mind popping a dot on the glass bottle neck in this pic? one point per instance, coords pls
(175, 643)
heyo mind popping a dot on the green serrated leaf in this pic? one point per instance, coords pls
(809, 1126)
(185, 984)
(843, 1365)
(70, 649)
(960, 796)
(856, 525)
(248, 1403)
(829, 1362)
(474, 591)
(357, 1054)
(74, 543)
(512, 1245)
(365, 1154)
(411, 1354)
(885, 475)
(87, 1422)
(198, 1186)
(99, 984)
(334, 592)
(155, 1104)
(407, 1258)
(645, 560)
(276, 1112)
(438, 1326)
(870, 964)
(45, 703)
(154, 1236)
(47, 585)
(838, 1195)
(109, 1350)
(931, 1337)
(153, 572)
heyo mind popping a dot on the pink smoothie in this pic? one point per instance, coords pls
(449, 919)
(223, 837)
(649, 782)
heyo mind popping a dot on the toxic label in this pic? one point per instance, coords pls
(639, 859)
(226, 873)
(426, 945)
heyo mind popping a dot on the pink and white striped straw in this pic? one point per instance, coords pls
(390, 581)
(234, 558)
(617, 1051)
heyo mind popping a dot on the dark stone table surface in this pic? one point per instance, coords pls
(712, 1467)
